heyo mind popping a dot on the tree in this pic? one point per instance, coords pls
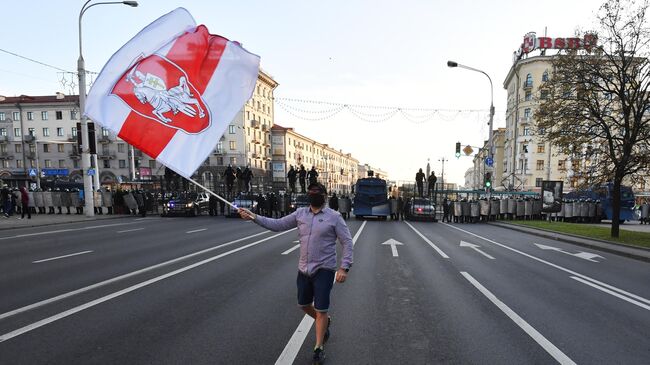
(596, 102)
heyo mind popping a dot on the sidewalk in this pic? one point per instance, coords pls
(51, 219)
(596, 244)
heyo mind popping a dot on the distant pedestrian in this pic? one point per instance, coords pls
(229, 176)
(431, 180)
(247, 175)
(24, 199)
(318, 228)
(334, 202)
(292, 175)
(312, 175)
(302, 176)
(445, 210)
(400, 208)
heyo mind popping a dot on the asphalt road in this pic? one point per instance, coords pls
(222, 291)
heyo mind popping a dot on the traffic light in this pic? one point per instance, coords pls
(457, 149)
(487, 180)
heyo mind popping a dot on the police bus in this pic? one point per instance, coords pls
(371, 198)
(604, 193)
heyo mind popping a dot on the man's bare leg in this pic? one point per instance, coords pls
(321, 323)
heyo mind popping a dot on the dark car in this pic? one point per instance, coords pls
(420, 209)
(243, 201)
(298, 201)
(188, 204)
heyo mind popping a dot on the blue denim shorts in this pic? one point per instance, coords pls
(315, 289)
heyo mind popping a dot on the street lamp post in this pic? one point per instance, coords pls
(442, 176)
(89, 204)
(456, 64)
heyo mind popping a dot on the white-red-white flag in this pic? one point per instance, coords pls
(172, 90)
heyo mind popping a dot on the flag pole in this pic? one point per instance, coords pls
(213, 193)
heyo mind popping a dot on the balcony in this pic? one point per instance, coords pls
(4, 139)
(105, 140)
(255, 123)
(264, 127)
(72, 138)
(29, 138)
(106, 156)
(74, 155)
(6, 156)
(255, 155)
(217, 152)
(31, 156)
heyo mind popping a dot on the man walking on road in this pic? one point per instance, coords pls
(318, 228)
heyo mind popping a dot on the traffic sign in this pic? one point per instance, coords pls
(489, 161)
(468, 150)
(32, 172)
(91, 172)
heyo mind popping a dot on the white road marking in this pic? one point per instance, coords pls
(393, 245)
(103, 299)
(130, 230)
(611, 292)
(290, 250)
(475, 248)
(197, 230)
(444, 255)
(65, 230)
(554, 265)
(290, 351)
(532, 332)
(121, 277)
(583, 255)
(61, 257)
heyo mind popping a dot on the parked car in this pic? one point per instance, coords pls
(189, 204)
(242, 201)
(420, 209)
(298, 201)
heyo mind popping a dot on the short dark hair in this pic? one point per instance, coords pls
(318, 186)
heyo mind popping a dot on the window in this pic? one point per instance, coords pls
(5, 164)
(3, 117)
(46, 148)
(529, 81)
(575, 164)
(19, 163)
(105, 150)
(220, 161)
(545, 76)
(30, 115)
(540, 165)
(543, 94)
(74, 131)
(19, 148)
(43, 115)
(122, 164)
(32, 164)
(524, 148)
(540, 148)
(220, 147)
(17, 132)
(48, 163)
(46, 132)
(538, 182)
(107, 164)
(233, 161)
(231, 129)
(152, 164)
(104, 132)
(32, 148)
(527, 113)
(59, 115)
(3, 132)
(233, 146)
(60, 147)
(73, 114)
(529, 96)
(31, 131)
(121, 147)
(61, 164)
(59, 132)
(16, 116)
(3, 148)
(561, 165)
(526, 131)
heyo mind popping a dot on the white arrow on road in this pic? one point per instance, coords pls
(393, 245)
(583, 255)
(476, 248)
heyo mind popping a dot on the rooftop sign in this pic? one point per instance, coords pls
(532, 42)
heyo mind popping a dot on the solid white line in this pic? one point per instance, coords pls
(95, 302)
(61, 257)
(295, 342)
(533, 333)
(197, 230)
(554, 265)
(290, 250)
(121, 277)
(65, 230)
(427, 241)
(611, 292)
(290, 351)
(130, 230)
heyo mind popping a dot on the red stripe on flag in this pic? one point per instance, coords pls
(198, 54)
(147, 135)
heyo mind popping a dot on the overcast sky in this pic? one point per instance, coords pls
(370, 52)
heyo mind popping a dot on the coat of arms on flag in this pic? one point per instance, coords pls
(172, 90)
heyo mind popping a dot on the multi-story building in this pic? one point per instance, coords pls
(246, 141)
(377, 172)
(337, 170)
(479, 168)
(39, 134)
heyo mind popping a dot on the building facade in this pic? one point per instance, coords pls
(337, 170)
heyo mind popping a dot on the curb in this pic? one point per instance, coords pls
(643, 254)
(69, 222)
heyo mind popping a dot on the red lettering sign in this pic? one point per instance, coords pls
(545, 42)
(559, 43)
